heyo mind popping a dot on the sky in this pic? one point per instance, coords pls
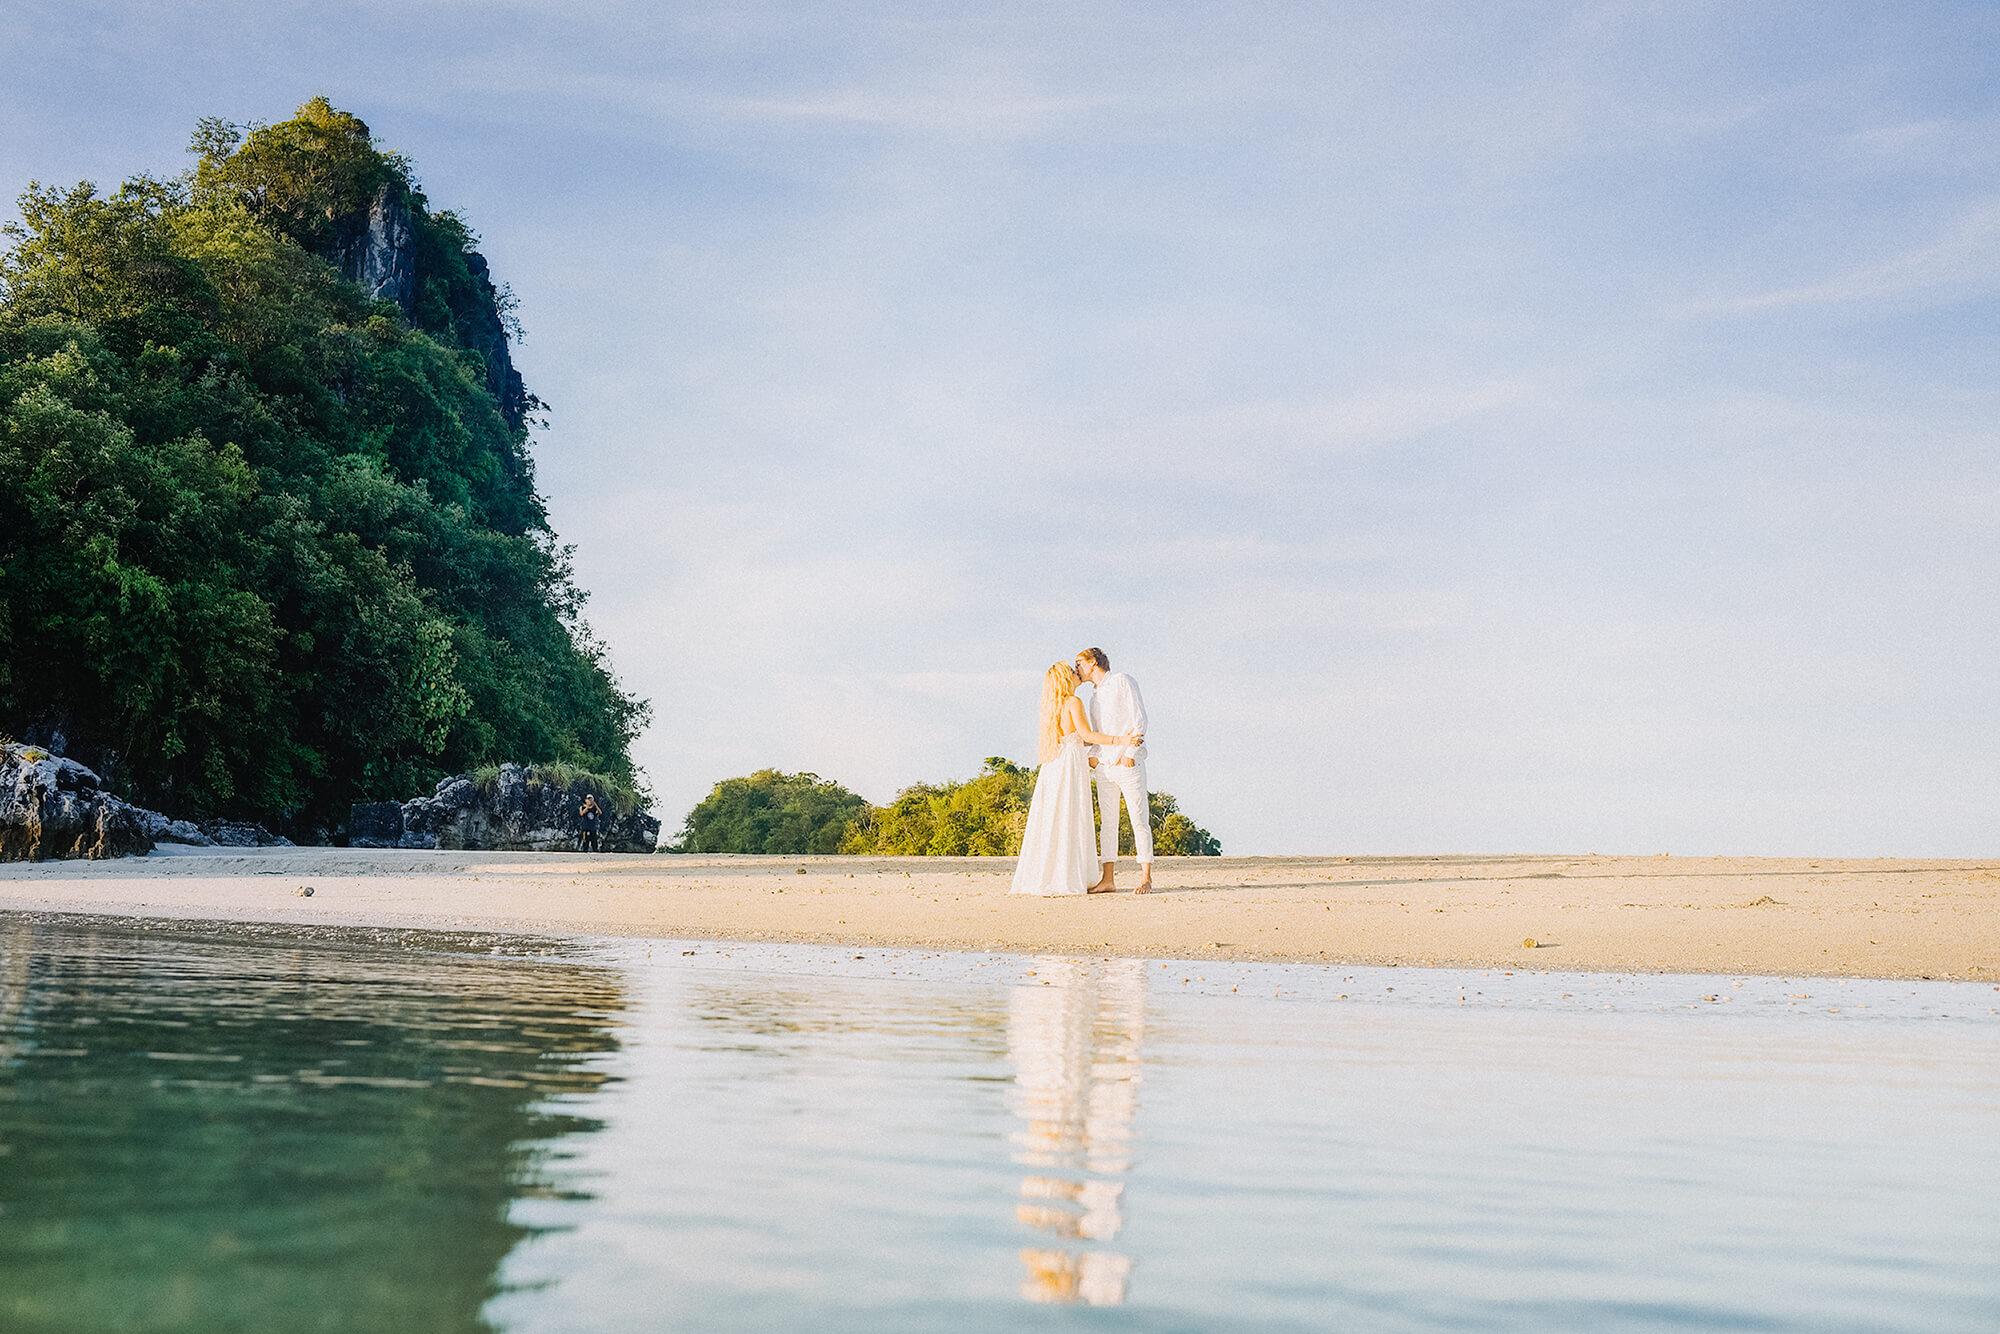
(1478, 427)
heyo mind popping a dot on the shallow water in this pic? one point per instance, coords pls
(260, 1128)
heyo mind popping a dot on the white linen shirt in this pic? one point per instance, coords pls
(1115, 709)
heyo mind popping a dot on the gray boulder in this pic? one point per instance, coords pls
(162, 830)
(375, 824)
(237, 834)
(51, 807)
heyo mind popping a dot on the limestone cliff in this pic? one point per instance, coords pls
(53, 808)
(377, 248)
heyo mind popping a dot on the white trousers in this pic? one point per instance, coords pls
(1129, 781)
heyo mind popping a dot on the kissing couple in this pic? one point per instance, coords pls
(1060, 852)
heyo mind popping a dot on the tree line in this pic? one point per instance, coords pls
(790, 814)
(270, 545)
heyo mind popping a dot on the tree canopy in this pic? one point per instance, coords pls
(771, 812)
(269, 545)
(982, 816)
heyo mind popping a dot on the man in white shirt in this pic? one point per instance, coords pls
(1115, 708)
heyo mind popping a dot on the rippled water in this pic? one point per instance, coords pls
(253, 1128)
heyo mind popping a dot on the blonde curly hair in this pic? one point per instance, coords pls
(1059, 685)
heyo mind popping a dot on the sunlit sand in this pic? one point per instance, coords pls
(1856, 918)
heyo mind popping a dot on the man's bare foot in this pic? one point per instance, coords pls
(1104, 883)
(1145, 885)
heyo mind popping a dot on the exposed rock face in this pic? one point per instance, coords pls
(519, 813)
(479, 325)
(377, 249)
(51, 807)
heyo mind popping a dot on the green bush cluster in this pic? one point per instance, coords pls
(771, 812)
(779, 813)
(268, 547)
(980, 817)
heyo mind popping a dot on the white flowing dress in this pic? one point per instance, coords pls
(1059, 848)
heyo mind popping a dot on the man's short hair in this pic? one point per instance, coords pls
(1096, 655)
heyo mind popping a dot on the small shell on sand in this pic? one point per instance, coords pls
(303, 892)
(1529, 944)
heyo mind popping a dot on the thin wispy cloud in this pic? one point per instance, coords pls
(1373, 419)
(1964, 261)
(990, 115)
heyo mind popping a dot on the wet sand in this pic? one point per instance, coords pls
(1811, 917)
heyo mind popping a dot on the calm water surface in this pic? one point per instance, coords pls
(219, 1128)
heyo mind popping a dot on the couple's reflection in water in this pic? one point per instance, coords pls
(349, 1134)
(1074, 1030)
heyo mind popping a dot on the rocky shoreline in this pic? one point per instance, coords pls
(52, 809)
(519, 809)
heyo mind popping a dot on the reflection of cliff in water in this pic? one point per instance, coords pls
(225, 1134)
(1074, 1034)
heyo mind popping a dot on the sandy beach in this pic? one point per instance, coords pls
(1856, 918)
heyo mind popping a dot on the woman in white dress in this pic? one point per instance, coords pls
(1059, 848)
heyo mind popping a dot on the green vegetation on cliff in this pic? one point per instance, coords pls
(779, 813)
(270, 540)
